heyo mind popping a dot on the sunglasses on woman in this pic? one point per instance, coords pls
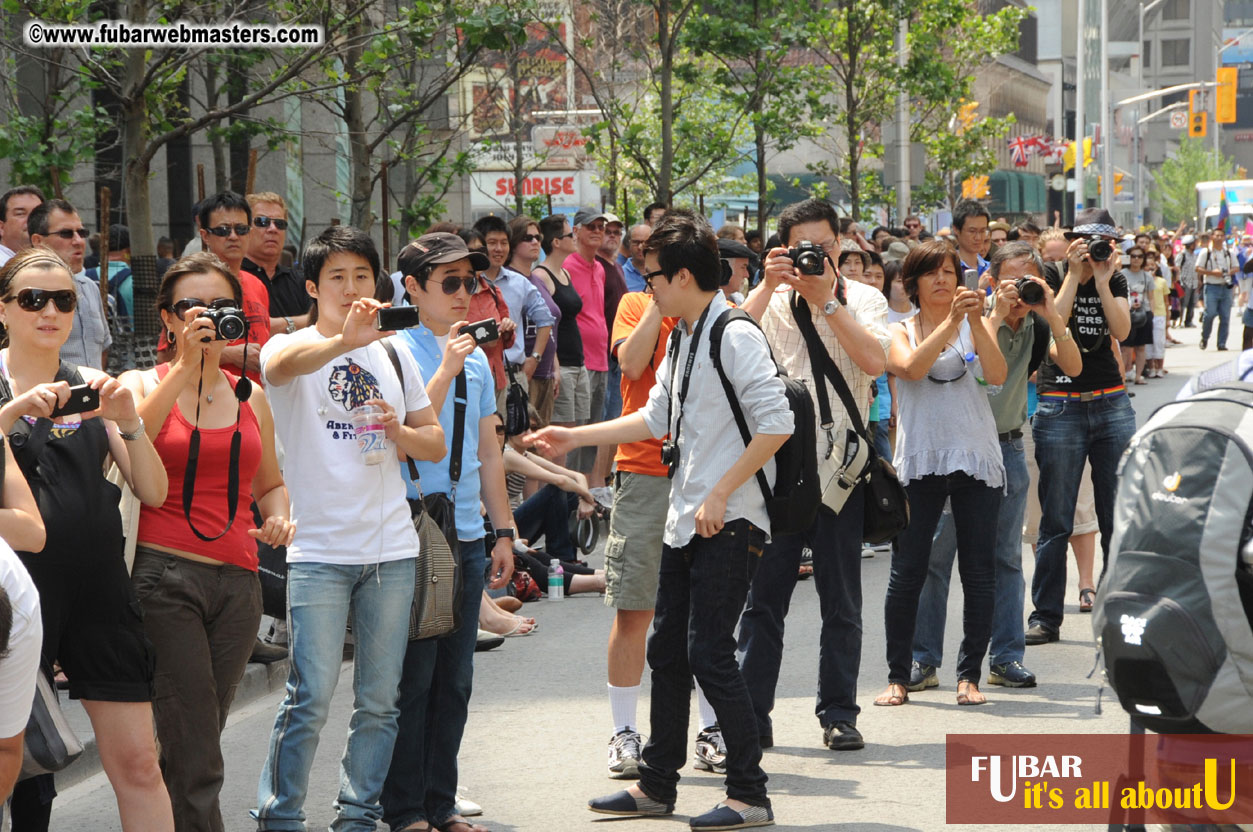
(34, 300)
(530, 238)
(182, 306)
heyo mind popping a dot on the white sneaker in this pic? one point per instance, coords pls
(624, 755)
(711, 750)
(466, 808)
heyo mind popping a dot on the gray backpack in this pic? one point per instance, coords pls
(1172, 616)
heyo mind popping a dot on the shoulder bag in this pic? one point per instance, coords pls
(438, 582)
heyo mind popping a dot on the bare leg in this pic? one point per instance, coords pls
(128, 752)
(495, 620)
(588, 583)
(603, 465)
(626, 647)
(1084, 546)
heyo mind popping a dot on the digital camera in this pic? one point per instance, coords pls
(1030, 292)
(229, 323)
(808, 257)
(1099, 248)
(670, 457)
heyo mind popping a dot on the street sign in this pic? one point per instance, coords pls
(1178, 120)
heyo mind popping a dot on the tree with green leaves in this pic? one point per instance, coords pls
(1174, 187)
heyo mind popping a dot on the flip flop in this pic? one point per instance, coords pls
(964, 698)
(457, 823)
(1087, 596)
(518, 623)
(891, 698)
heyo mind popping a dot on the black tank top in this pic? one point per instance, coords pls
(569, 341)
(64, 466)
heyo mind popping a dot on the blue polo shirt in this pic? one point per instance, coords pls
(634, 280)
(481, 401)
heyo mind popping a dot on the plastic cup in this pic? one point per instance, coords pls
(367, 426)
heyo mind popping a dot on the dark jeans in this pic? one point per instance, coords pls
(202, 621)
(975, 509)
(435, 688)
(702, 589)
(836, 544)
(1189, 304)
(1067, 432)
(547, 513)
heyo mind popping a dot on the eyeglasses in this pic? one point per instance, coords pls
(595, 226)
(564, 236)
(450, 285)
(70, 233)
(266, 222)
(240, 230)
(34, 300)
(1135, 256)
(648, 278)
(639, 242)
(183, 306)
(530, 238)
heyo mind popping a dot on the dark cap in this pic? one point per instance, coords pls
(586, 216)
(733, 249)
(436, 248)
(1093, 221)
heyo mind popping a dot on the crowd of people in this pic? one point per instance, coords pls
(554, 370)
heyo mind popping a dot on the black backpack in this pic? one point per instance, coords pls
(797, 494)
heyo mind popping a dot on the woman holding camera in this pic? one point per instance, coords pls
(943, 358)
(91, 623)
(195, 571)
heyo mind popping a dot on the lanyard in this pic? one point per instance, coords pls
(687, 371)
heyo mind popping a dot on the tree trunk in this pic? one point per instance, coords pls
(359, 155)
(762, 207)
(515, 132)
(852, 121)
(665, 41)
(139, 219)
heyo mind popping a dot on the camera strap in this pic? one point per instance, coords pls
(687, 371)
(243, 389)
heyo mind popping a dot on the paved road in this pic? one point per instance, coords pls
(535, 744)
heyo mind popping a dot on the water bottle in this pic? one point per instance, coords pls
(556, 580)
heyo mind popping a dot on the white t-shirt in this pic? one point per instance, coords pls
(18, 668)
(346, 512)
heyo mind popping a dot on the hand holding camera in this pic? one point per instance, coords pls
(809, 276)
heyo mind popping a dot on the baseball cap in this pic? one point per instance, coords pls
(896, 251)
(1187, 239)
(610, 219)
(436, 248)
(730, 249)
(586, 216)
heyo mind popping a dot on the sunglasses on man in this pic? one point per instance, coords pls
(265, 222)
(70, 233)
(240, 230)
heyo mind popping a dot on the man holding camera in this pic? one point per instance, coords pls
(1080, 417)
(851, 321)
(1217, 267)
(1022, 321)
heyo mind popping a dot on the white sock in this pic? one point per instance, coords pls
(622, 706)
(707, 715)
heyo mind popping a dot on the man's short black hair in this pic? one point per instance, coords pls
(119, 237)
(799, 213)
(683, 239)
(20, 190)
(486, 225)
(648, 211)
(751, 235)
(967, 208)
(37, 222)
(221, 201)
(1028, 227)
(335, 240)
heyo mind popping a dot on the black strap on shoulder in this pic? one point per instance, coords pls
(687, 372)
(822, 364)
(1040, 346)
(459, 417)
(715, 352)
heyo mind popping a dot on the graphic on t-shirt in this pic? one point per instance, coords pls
(352, 385)
(59, 430)
(1089, 321)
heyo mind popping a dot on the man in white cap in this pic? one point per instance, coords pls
(1187, 277)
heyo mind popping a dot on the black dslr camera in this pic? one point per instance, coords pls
(808, 257)
(229, 323)
(670, 457)
(1030, 292)
(1099, 248)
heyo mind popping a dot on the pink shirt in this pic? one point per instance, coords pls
(588, 279)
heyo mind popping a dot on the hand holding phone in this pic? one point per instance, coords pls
(392, 318)
(483, 332)
(83, 399)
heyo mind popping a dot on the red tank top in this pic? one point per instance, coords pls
(166, 526)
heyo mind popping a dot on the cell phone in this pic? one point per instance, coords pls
(83, 399)
(970, 278)
(483, 332)
(392, 318)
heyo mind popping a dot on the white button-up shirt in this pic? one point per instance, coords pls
(709, 442)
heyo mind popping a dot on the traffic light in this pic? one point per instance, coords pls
(1197, 117)
(1118, 183)
(1225, 108)
(976, 187)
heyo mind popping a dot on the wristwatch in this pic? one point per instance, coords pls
(291, 325)
(830, 306)
(509, 533)
(537, 356)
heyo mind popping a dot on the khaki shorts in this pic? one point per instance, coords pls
(633, 548)
(543, 397)
(1085, 506)
(574, 399)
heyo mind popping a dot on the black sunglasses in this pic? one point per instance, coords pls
(240, 230)
(265, 222)
(181, 307)
(34, 300)
(70, 233)
(450, 285)
(530, 238)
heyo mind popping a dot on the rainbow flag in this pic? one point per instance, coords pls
(1223, 215)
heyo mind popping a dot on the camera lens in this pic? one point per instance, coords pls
(1030, 291)
(230, 327)
(809, 262)
(1100, 250)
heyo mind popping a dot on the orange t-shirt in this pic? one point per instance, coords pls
(642, 457)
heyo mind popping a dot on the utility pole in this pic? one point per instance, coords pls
(1107, 131)
(903, 182)
(1080, 127)
(1139, 146)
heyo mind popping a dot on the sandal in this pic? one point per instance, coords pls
(968, 693)
(1087, 596)
(891, 697)
(457, 823)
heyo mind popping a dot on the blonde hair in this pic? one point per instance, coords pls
(266, 196)
(1048, 235)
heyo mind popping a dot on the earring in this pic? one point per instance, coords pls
(169, 336)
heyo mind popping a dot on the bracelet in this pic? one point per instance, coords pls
(291, 325)
(131, 437)
(1065, 336)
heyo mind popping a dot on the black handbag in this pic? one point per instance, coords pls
(886, 505)
(517, 419)
(49, 744)
(438, 584)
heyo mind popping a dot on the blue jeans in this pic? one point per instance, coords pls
(973, 503)
(1067, 432)
(320, 596)
(880, 435)
(702, 589)
(836, 544)
(1008, 640)
(1217, 305)
(434, 702)
(613, 391)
